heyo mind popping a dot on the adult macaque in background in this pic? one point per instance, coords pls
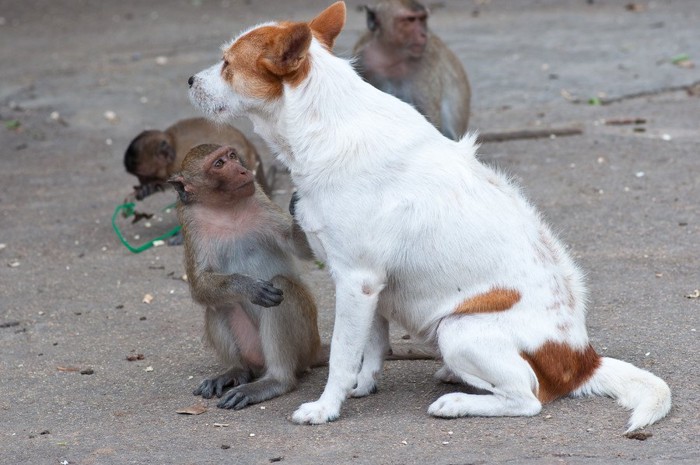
(402, 57)
(399, 55)
(153, 156)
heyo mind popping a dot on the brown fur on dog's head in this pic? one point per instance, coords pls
(260, 62)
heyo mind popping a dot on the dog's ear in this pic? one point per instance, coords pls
(328, 24)
(289, 50)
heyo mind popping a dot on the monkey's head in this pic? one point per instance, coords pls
(149, 156)
(213, 175)
(401, 25)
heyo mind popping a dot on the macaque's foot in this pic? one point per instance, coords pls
(252, 393)
(236, 399)
(315, 413)
(265, 294)
(216, 386)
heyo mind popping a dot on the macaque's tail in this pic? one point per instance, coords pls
(403, 351)
(647, 395)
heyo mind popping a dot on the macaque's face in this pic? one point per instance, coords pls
(410, 31)
(226, 174)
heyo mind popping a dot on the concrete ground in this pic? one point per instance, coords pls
(625, 198)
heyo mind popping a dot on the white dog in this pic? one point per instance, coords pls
(415, 229)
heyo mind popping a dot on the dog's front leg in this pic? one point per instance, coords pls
(357, 294)
(376, 349)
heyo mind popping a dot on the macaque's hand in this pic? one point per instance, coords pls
(145, 190)
(177, 239)
(263, 293)
(293, 203)
(131, 198)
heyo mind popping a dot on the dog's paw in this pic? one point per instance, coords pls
(450, 406)
(315, 413)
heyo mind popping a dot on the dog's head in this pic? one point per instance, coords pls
(258, 64)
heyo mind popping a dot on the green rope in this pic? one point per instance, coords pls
(129, 208)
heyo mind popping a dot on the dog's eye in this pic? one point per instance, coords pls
(225, 65)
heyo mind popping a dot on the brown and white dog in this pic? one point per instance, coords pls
(450, 249)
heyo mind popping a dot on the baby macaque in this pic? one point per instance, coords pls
(153, 156)
(239, 249)
(400, 56)
(238, 257)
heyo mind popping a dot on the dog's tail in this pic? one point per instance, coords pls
(647, 395)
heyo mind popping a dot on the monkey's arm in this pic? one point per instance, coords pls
(214, 289)
(299, 243)
(144, 190)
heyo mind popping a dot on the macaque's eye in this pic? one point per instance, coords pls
(232, 156)
(219, 163)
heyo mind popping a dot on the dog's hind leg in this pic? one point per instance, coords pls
(485, 357)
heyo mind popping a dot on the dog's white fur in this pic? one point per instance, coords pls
(410, 225)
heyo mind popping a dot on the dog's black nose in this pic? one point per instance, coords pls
(190, 81)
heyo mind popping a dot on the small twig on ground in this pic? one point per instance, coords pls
(692, 90)
(625, 121)
(528, 134)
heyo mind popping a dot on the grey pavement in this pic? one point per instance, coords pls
(79, 79)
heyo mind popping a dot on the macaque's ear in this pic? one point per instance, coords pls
(372, 21)
(289, 51)
(178, 182)
(166, 151)
(328, 24)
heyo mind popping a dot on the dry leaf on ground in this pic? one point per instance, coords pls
(195, 409)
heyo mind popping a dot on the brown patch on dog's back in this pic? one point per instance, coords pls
(560, 369)
(495, 300)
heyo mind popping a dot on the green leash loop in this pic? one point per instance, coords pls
(129, 208)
